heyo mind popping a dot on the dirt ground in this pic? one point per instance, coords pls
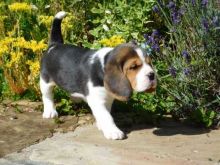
(21, 126)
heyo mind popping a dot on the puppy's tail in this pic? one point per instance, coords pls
(55, 34)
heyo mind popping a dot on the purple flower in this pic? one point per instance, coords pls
(186, 71)
(193, 2)
(172, 71)
(155, 33)
(153, 40)
(205, 24)
(150, 40)
(155, 9)
(176, 17)
(181, 11)
(186, 55)
(171, 5)
(145, 36)
(204, 3)
(155, 47)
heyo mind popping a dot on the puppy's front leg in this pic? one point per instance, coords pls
(100, 108)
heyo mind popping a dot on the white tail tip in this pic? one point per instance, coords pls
(60, 15)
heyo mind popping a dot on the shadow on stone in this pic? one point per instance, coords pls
(130, 120)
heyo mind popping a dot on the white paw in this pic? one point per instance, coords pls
(50, 114)
(113, 133)
(98, 126)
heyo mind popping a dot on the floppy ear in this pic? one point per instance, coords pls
(115, 80)
(117, 84)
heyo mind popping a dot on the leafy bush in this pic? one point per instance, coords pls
(126, 18)
(190, 53)
(26, 29)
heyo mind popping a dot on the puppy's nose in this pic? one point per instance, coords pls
(151, 76)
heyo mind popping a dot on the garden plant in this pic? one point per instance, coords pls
(182, 37)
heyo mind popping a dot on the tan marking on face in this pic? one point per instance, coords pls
(148, 60)
(131, 68)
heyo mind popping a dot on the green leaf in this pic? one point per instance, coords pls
(96, 21)
(97, 11)
(211, 114)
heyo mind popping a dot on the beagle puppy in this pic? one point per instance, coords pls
(96, 76)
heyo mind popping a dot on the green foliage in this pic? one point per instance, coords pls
(190, 53)
(126, 18)
(203, 117)
(64, 107)
(67, 107)
(155, 103)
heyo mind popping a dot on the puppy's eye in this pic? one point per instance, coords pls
(134, 67)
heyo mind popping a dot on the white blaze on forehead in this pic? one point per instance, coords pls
(147, 67)
(140, 54)
(142, 80)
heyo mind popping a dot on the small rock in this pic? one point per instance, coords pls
(60, 130)
(81, 114)
(88, 118)
(13, 117)
(81, 122)
(210, 159)
(71, 128)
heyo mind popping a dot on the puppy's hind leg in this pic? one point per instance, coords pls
(47, 97)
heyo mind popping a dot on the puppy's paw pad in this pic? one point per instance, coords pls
(50, 114)
(114, 134)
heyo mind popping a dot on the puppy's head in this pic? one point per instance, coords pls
(128, 69)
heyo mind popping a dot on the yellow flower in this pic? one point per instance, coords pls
(19, 7)
(37, 46)
(15, 58)
(20, 42)
(7, 41)
(34, 67)
(113, 41)
(67, 22)
(46, 20)
(3, 49)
